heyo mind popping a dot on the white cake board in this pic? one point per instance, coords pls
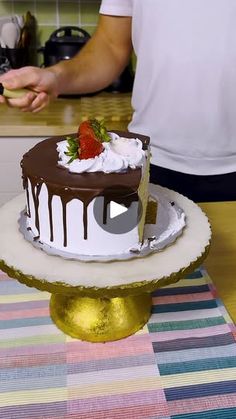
(21, 256)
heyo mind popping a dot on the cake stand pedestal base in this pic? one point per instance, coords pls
(100, 319)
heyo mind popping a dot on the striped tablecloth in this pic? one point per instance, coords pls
(182, 365)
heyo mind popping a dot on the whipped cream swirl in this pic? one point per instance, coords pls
(119, 154)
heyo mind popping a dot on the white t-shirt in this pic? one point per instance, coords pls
(184, 93)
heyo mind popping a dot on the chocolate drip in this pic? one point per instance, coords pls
(25, 186)
(36, 188)
(42, 160)
(64, 223)
(105, 206)
(28, 202)
(50, 196)
(66, 195)
(85, 220)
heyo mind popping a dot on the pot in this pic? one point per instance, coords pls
(63, 44)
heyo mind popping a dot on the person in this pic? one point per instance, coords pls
(184, 94)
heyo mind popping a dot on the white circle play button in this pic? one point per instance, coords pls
(118, 210)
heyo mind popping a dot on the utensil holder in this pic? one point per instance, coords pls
(18, 57)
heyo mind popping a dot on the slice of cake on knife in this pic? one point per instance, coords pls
(70, 183)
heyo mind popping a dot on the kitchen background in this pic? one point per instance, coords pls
(52, 14)
(48, 16)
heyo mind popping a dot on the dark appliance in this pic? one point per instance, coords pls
(63, 44)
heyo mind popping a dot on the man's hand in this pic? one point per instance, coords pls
(98, 64)
(41, 83)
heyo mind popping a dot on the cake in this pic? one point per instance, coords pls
(65, 177)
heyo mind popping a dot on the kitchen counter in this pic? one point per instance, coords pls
(63, 116)
(20, 131)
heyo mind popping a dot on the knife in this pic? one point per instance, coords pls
(13, 94)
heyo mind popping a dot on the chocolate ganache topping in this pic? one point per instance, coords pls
(40, 166)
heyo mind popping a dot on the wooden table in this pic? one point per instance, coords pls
(63, 116)
(221, 261)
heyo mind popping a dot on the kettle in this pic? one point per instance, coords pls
(63, 44)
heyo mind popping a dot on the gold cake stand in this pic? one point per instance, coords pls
(102, 301)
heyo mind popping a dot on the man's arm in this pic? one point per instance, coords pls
(101, 61)
(98, 64)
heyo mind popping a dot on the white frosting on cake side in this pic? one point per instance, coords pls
(118, 154)
(99, 241)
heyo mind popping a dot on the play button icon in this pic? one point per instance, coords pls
(118, 210)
